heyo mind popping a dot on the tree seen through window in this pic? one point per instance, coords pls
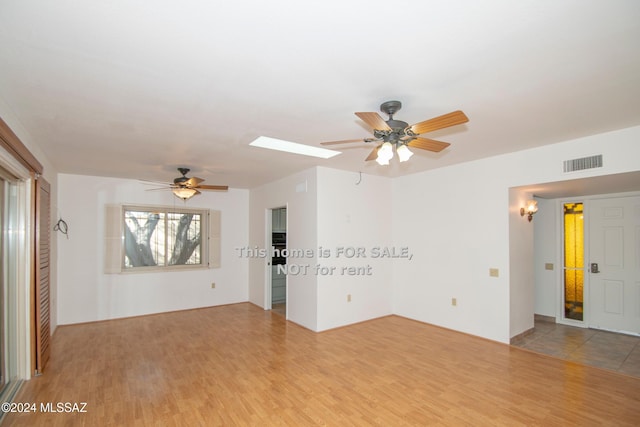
(162, 238)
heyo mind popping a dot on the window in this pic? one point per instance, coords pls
(143, 238)
(574, 261)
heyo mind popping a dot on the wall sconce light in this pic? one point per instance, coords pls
(530, 208)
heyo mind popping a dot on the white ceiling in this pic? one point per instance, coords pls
(134, 89)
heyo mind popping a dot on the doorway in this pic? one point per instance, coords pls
(279, 260)
(614, 264)
(601, 263)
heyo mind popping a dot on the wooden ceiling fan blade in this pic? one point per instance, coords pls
(193, 182)
(374, 120)
(149, 182)
(347, 141)
(428, 144)
(373, 155)
(213, 187)
(441, 122)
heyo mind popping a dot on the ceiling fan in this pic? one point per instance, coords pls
(185, 188)
(400, 135)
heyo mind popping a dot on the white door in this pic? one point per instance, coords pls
(614, 265)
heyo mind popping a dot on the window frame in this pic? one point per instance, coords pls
(205, 234)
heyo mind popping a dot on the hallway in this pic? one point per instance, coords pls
(608, 350)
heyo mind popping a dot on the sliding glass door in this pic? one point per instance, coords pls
(3, 322)
(8, 283)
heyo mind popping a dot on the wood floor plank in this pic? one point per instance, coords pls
(240, 365)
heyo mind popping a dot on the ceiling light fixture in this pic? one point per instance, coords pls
(385, 152)
(404, 153)
(184, 193)
(293, 147)
(530, 208)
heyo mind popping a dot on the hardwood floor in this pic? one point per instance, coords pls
(241, 365)
(280, 309)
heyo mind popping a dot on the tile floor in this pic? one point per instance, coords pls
(603, 349)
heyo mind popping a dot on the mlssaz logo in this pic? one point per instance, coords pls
(67, 407)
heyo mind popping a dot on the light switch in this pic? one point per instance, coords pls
(548, 266)
(494, 272)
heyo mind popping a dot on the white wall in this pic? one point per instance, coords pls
(352, 215)
(521, 265)
(86, 293)
(546, 252)
(458, 220)
(325, 208)
(298, 193)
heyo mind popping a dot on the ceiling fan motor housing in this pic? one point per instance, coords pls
(397, 124)
(183, 178)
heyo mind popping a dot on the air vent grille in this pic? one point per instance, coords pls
(583, 163)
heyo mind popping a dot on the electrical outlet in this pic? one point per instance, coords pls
(494, 272)
(213, 285)
(454, 302)
(349, 298)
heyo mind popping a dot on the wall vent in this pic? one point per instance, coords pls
(583, 163)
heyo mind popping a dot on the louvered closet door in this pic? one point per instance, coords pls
(42, 300)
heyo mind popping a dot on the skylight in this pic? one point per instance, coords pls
(293, 147)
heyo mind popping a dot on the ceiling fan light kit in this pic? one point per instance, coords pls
(404, 153)
(400, 135)
(385, 153)
(185, 193)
